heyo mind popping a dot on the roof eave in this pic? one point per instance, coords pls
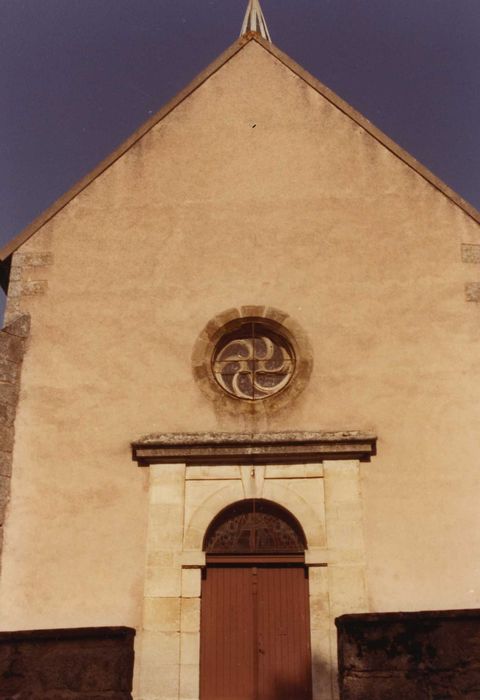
(62, 201)
(231, 51)
(376, 133)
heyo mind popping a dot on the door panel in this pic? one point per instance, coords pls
(255, 634)
(284, 661)
(226, 635)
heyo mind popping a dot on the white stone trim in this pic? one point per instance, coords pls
(324, 498)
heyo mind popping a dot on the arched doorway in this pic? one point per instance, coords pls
(255, 629)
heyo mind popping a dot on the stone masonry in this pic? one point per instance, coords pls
(75, 664)
(12, 347)
(27, 278)
(416, 655)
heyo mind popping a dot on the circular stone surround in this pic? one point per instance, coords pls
(252, 356)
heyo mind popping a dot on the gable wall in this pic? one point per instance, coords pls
(255, 190)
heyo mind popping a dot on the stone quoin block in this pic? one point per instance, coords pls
(34, 287)
(472, 291)
(470, 253)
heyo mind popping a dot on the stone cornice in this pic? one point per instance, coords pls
(251, 448)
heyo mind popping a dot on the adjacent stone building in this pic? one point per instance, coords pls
(249, 396)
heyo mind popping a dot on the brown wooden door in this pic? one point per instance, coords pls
(255, 634)
(284, 660)
(226, 635)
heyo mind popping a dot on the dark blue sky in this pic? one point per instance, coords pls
(78, 76)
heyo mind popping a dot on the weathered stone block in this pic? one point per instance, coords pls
(321, 664)
(11, 347)
(190, 682)
(191, 583)
(14, 289)
(67, 664)
(5, 463)
(7, 413)
(15, 273)
(90, 670)
(164, 560)
(8, 370)
(4, 487)
(472, 291)
(167, 474)
(192, 558)
(160, 581)
(162, 614)
(4, 497)
(37, 259)
(168, 493)
(293, 471)
(6, 438)
(159, 682)
(414, 655)
(347, 589)
(9, 394)
(213, 472)
(190, 648)
(190, 617)
(470, 253)
(19, 327)
(160, 648)
(34, 287)
(392, 687)
(318, 581)
(319, 612)
(165, 531)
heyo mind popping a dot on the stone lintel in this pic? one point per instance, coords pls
(253, 448)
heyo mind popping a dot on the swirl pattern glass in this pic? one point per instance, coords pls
(255, 364)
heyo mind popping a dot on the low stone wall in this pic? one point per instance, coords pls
(413, 656)
(75, 664)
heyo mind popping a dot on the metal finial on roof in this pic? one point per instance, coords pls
(255, 21)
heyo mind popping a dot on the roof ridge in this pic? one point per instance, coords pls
(229, 53)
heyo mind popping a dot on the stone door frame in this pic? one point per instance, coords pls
(192, 477)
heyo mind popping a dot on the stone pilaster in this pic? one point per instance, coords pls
(345, 542)
(159, 671)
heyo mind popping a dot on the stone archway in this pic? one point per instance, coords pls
(315, 476)
(255, 620)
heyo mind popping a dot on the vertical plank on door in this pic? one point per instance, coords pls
(284, 662)
(226, 634)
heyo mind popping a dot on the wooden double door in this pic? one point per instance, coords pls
(255, 633)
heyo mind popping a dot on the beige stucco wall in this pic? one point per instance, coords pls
(305, 212)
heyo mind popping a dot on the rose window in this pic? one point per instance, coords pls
(253, 362)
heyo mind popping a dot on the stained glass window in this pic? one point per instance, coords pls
(254, 526)
(253, 362)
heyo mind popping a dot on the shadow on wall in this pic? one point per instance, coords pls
(300, 688)
(3, 301)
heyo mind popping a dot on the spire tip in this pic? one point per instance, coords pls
(255, 21)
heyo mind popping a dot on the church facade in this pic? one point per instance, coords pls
(246, 352)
